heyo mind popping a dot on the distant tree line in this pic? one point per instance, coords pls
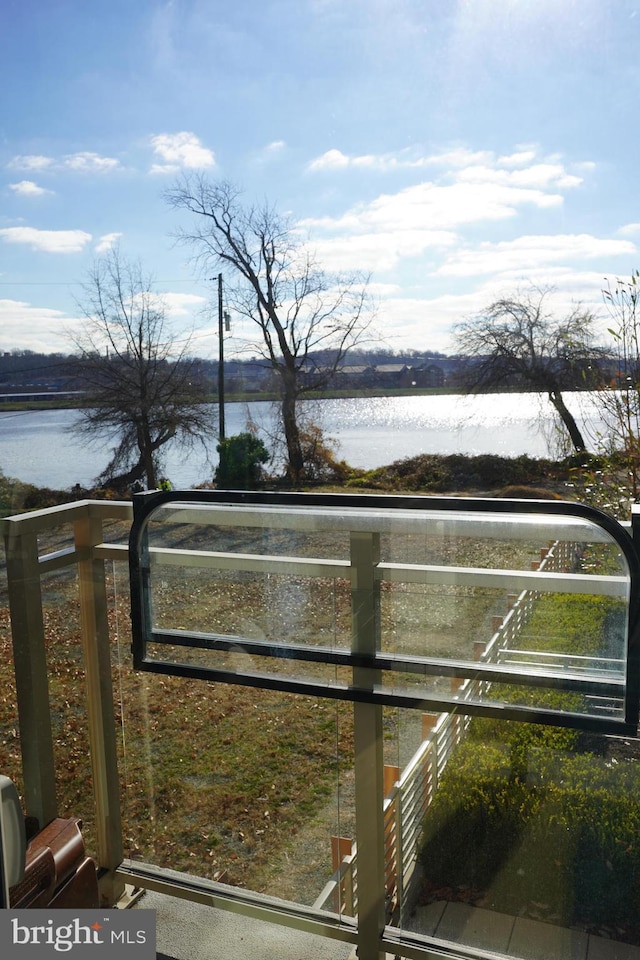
(29, 371)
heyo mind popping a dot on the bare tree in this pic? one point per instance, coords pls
(517, 341)
(298, 308)
(139, 383)
(619, 399)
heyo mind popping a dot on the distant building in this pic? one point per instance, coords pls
(431, 375)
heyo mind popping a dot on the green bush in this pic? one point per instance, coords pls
(565, 836)
(523, 817)
(241, 459)
(474, 820)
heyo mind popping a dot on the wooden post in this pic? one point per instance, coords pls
(102, 726)
(429, 721)
(391, 776)
(341, 847)
(30, 665)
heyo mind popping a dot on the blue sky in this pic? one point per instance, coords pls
(456, 150)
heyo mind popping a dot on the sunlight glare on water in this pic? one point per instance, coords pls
(37, 447)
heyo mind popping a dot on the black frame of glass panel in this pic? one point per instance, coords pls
(145, 504)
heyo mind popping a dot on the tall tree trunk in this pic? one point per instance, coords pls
(146, 454)
(568, 420)
(295, 464)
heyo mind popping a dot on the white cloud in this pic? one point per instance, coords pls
(25, 327)
(384, 289)
(517, 159)
(89, 162)
(27, 188)
(174, 305)
(178, 151)
(47, 241)
(427, 321)
(269, 152)
(415, 321)
(537, 175)
(454, 159)
(331, 160)
(383, 162)
(380, 250)
(475, 187)
(629, 229)
(85, 161)
(106, 242)
(439, 206)
(31, 162)
(527, 253)
(460, 157)
(378, 234)
(517, 169)
(181, 304)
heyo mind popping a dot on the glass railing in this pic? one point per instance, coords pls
(388, 600)
(373, 718)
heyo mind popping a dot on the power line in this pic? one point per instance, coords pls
(72, 283)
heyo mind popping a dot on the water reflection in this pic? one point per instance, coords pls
(37, 447)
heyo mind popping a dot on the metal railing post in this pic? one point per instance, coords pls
(30, 665)
(635, 524)
(102, 726)
(369, 762)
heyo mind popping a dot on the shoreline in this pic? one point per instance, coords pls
(255, 397)
(424, 474)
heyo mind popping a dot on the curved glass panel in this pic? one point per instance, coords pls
(524, 610)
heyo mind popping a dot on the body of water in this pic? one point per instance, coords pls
(38, 446)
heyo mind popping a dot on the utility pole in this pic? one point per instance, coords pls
(221, 429)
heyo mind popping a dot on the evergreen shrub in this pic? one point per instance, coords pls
(241, 459)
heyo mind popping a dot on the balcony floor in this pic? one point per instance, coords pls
(191, 931)
(515, 936)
